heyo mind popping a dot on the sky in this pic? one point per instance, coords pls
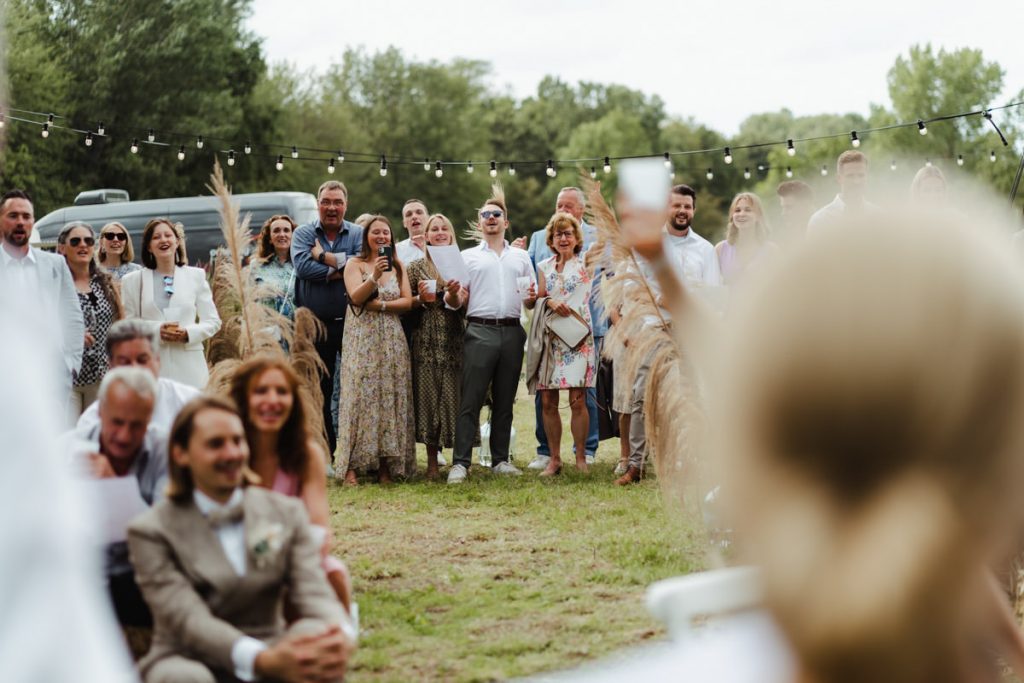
(716, 61)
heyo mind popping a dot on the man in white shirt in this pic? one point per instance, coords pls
(501, 281)
(134, 343)
(852, 176)
(414, 220)
(694, 258)
(216, 559)
(36, 276)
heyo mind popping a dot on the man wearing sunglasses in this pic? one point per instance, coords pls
(42, 282)
(494, 342)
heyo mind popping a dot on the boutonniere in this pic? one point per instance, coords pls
(265, 542)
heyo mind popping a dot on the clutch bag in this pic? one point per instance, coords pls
(571, 329)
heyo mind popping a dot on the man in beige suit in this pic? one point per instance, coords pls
(215, 562)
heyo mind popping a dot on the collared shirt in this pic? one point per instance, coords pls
(326, 298)
(493, 291)
(170, 397)
(408, 252)
(23, 272)
(834, 212)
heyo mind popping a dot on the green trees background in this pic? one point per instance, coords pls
(189, 67)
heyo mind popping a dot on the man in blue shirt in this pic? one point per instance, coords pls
(573, 201)
(319, 251)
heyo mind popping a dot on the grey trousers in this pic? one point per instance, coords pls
(637, 431)
(491, 357)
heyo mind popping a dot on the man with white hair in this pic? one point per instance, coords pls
(127, 446)
(134, 343)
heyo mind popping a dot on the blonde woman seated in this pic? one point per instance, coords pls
(176, 298)
(375, 418)
(746, 238)
(567, 283)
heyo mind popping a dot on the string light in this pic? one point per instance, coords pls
(330, 166)
(383, 166)
(789, 171)
(3, 119)
(728, 156)
(248, 147)
(854, 140)
(790, 148)
(231, 157)
(426, 164)
(607, 165)
(511, 169)
(100, 129)
(469, 167)
(88, 139)
(280, 163)
(959, 159)
(551, 169)
(710, 175)
(438, 171)
(135, 146)
(992, 156)
(199, 142)
(746, 174)
(921, 128)
(824, 170)
(928, 163)
(341, 157)
(672, 175)
(668, 161)
(295, 152)
(593, 172)
(151, 136)
(494, 169)
(181, 153)
(45, 132)
(892, 165)
(760, 168)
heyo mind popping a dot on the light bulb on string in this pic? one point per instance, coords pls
(279, 165)
(607, 165)
(593, 172)
(511, 169)
(746, 174)
(789, 171)
(151, 135)
(760, 168)
(790, 148)
(728, 156)
(426, 164)
(959, 159)
(494, 169)
(341, 157)
(181, 153)
(88, 139)
(892, 165)
(672, 174)
(469, 167)
(438, 171)
(295, 152)
(383, 166)
(710, 175)
(330, 166)
(928, 163)
(824, 170)
(248, 147)
(135, 146)
(668, 161)
(45, 132)
(231, 157)
(551, 169)
(854, 140)
(992, 156)
(101, 129)
(921, 128)
(199, 142)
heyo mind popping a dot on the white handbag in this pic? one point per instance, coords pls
(572, 329)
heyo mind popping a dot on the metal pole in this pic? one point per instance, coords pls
(1016, 181)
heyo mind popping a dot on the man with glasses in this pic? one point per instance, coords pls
(319, 251)
(43, 282)
(501, 280)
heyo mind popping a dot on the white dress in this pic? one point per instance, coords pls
(573, 368)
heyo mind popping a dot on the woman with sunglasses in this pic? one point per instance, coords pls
(176, 298)
(101, 307)
(115, 254)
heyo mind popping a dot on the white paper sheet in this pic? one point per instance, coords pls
(117, 502)
(448, 260)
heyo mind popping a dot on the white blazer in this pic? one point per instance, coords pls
(191, 301)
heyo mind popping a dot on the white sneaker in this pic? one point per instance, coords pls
(504, 468)
(621, 468)
(457, 474)
(441, 462)
(590, 458)
(539, 463)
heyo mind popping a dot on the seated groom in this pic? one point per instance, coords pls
(215, 561)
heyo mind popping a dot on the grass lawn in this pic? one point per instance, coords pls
(504, 577)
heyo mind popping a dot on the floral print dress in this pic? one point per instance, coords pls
(375, 417)
(573, 368)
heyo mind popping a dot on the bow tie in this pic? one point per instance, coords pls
(225, 516)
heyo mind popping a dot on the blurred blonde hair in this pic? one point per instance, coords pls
(871, 444)
(732, 233)
(924, 173)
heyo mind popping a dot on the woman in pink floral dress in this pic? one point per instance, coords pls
(565, 280)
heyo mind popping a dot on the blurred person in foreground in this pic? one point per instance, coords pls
(871, 471)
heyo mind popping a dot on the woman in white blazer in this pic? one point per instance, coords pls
(176, 298)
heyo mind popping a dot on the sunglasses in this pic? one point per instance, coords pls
(487, 214)
(168, 285)
(115, 237)
(75, 241)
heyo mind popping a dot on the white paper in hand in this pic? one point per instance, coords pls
(448, 260)
(645, 182)
(116, 502)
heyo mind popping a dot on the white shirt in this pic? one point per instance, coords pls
(493, 292)
(23, 272)
(834, 212)
(408, 252)
(695, 258)
(170, 397)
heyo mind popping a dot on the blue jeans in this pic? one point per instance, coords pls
(593, 434)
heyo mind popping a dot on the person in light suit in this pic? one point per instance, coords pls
(32, 275)
(215, 562)
(176, 298)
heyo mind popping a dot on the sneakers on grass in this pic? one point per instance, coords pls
(441, 462)
(539, 463)
(457, 474)
(590, 458)
(621, 468)
(505, 468)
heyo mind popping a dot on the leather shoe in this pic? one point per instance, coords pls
(631, 476)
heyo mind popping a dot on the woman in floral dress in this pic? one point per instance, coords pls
(375, 420)
(564, 279)
(273, 264)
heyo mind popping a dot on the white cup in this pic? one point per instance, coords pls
(523, 285)
(430, 289)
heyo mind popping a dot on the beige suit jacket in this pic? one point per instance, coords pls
(200, 606)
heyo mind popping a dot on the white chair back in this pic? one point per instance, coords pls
(679, 601)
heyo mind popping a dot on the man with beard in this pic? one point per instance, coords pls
(319, 251)
(694, 258)
(43, 281)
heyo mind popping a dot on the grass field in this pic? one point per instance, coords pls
(504, 577)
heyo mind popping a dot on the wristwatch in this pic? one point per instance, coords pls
(320, 258)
